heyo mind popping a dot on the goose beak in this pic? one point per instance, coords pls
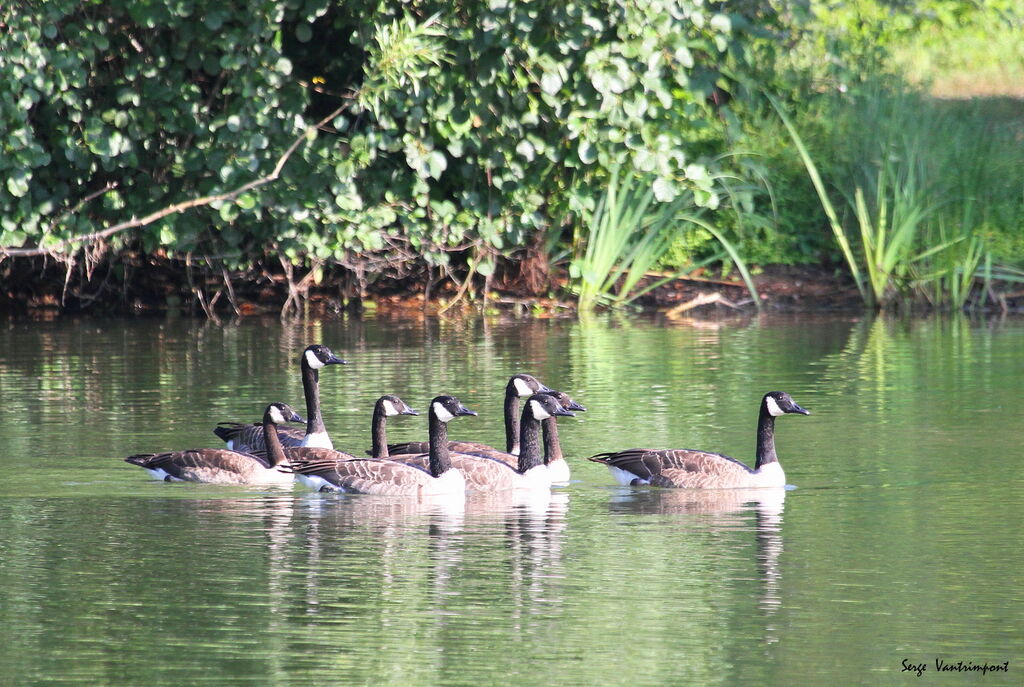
(335, 360)
(798, 409)
(409, 411)
(463, 410)
(573, 405)
(296, 418)
(542, 389)
(563, 412)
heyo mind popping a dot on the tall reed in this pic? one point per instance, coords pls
(922, 188)
(826, 203)
(625, 236)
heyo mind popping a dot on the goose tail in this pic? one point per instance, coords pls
(140, 459)
(603, 458)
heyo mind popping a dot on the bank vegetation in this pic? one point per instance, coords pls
(212, 156)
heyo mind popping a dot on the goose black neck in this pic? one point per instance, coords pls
(552, 447)
(379, 449)
(765, 439)
(311, 389)
(440, 457)
(511, 419)
(275, 452)
(529, 442)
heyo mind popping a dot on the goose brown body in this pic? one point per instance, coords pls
(683, 468)
(210, 465)
(372, 476)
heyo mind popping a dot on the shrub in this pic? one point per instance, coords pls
(466, 123)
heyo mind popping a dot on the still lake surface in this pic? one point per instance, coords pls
(901, 540)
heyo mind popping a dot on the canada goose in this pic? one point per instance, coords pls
(690, 469)
(484, 474)
(519, 385)
(387, 477)
(386, 406)
(249, 437)
(224, 466)
(558, 468)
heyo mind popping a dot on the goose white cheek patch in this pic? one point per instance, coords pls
(275, 415)
(313, 361)
(773, 407)
(389, 409)
(522, 388)
(538, 411)
(442, 413)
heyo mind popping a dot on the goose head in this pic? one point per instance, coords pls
(280, 413)
(446, 408)
(392, 405)
(317, 356)
(523, 385)
(565, 400)
(778, 403)
(544, 405)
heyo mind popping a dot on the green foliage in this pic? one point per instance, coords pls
(826, 202)
(114, 109)
(966, 48)
(470, 127)
(467, 126)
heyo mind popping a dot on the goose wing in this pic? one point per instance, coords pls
(485, 473)
(367, 475)
(482, 473)
(411, 448)
(249, 437)
(415, 448)
(308, 454)
(676, 467)
(202, 465)
(484, 451)
(641, 462)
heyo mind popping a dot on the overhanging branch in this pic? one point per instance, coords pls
(135, 222)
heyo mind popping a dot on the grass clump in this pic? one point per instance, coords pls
(628, 233)
(917, 195)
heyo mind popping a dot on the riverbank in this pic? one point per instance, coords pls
(150, 285)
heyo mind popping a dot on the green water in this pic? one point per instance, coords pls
(901, 540)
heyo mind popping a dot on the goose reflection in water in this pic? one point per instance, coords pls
(357, 545)
(536, 534)
(729, 509)
(411, 542)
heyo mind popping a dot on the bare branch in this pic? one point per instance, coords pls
(135, 222)
(110, 186)
(467, 282)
